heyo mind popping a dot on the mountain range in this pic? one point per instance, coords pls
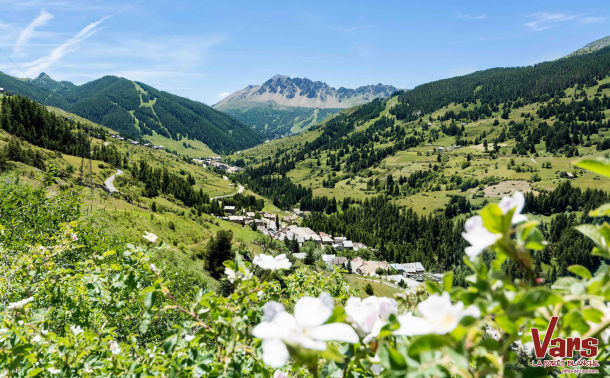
(136, 110)
(284, 105)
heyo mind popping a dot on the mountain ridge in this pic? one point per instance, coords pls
(303, 92)
(283, 105)
(592, 47)
(136, 109)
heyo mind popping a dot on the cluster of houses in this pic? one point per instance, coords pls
(135, 142)
(215, 162)
(267, 224)
(5, 92)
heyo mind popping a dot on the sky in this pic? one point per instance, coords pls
(204, 50)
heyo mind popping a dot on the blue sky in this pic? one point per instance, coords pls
(206, 49)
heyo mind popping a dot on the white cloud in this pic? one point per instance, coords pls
(57, 53)
(222, 95)
(465, 16)
(29, 30)
(543, 21)
(591, 20)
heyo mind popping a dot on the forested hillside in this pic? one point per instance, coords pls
(137, 110)
(399, 174)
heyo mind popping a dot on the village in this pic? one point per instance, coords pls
(344, 254)
(214, 162)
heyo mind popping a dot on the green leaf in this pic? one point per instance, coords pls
(492, 218)
(600, 235)
(535, 298)
(448, 281)
(599, 165)
(428, 342)
(170, 343)
(581, 271)
(149, 300)
(391, 358)
(602, 211)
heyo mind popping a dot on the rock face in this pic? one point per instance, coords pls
(305, 93)
(284, 105)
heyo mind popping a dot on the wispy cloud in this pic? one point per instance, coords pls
(591, 20)
(222, 95)
(57, 53)
(27, 33)
(544, 21)
(465, 16)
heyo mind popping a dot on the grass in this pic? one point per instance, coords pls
(379, 289)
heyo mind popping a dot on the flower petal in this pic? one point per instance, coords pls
(275, 353)
(334, 332)
(310, 312)
(411, 325)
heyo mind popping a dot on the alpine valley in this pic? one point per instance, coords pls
(296, 229)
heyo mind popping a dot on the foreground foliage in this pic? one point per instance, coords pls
(75, 303)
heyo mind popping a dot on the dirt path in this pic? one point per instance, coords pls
(109, 183)
(240, 190)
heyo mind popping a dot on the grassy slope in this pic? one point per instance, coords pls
(184, 233)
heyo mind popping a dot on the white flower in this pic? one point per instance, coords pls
(230, 274)
(272, 263)
(305, 328)
(233, 275)
(115, 348)
(21, 303)
(74, 237)
(478, 236)
(76, 330)
(154, 269)
(150, 237)
(188, 337)
(88, 369)
(368, 316)
(279, 374)
(438, 316)
(516, 201)
(54, 370)
(37, 339)
(3, 331)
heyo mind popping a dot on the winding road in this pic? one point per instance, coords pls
(109, 182)
(240, 190)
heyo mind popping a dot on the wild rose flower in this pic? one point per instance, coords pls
(76, 330)
(437, 315)
(154, 269)
(19, 304)
(368, 316)
(279, 374)
(478, 236)
(74, 237)
(189, 338)
(269, 262)
(150, 237)
(37, 339)
(115, 348)
(53, 370)
(516, 201)
(305, 328)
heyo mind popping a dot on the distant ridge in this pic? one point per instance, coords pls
(137, 110)
(283, 104)
(593, 46)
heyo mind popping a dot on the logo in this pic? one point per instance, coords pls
(565, 348)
